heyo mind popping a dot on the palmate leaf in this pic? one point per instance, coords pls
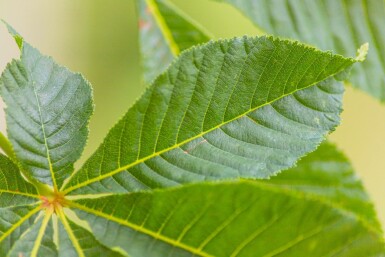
(48, 109)
(231, 219)
(226, 109)
(164, 32)
(244, 218)
(337, 25)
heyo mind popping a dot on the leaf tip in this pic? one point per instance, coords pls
(362, 52)
(18, 38)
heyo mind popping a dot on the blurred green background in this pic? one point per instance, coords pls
(99, 39)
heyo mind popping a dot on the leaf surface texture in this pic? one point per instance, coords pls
(48, 109)
(226, 109)
(227, 220)
(338, 25)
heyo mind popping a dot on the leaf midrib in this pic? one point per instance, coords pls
(163, 27)
(45, 141)
(67, 227)
(19, 222)
(40, 235)
(19, 193)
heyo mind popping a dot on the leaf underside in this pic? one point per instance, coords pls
(337, 25)
(164, 33)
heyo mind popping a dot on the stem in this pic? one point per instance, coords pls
(6, 146)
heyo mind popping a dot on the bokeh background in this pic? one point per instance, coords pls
(99, 39)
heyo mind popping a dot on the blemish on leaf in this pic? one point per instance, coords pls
(195, 146)
(143, 24)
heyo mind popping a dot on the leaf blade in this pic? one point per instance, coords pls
(230, 219)
(328, 175)
(164, 32)
(78, 241)
(11, 181)
(167, 122)
(47, 133)
(15, 227)
(36, 240)
(338, 25)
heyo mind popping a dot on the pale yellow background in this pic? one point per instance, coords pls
(99, 39)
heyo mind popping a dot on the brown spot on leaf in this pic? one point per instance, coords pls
(195, 146)
(143, 24)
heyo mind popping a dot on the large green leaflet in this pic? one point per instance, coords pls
(230, 219)
(164, 33)
(201, 120)
(48, 108)
(205, 220)
(241, 219)
(338, 25)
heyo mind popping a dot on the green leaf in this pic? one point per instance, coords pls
(22, 233)
(337, 25)
(229, 219)
(12, 184)
(6, 146)
(19, 205)
(209, 219)
(15, 221)
(48, 109)
(164, 32)
(245, 107)
(227, 109)
(36, 241)
(327, 174)
(76, 241)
